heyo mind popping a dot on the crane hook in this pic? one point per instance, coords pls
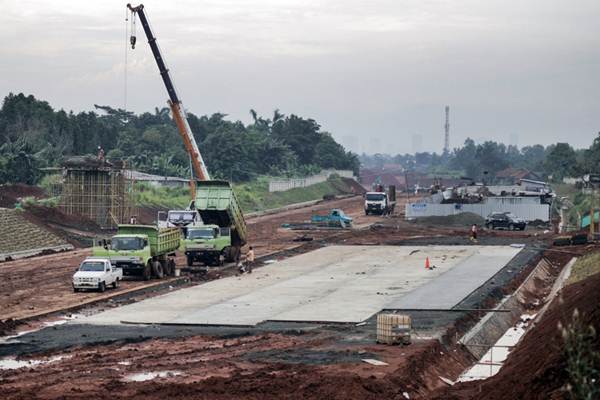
(132, 40)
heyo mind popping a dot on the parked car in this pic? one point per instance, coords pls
(96, 273)
(505, 220)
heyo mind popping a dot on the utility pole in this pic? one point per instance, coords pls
(447, 131)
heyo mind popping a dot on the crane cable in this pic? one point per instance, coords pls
(126, 50)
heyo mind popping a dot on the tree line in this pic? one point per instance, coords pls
(482, 161)
(33, 135)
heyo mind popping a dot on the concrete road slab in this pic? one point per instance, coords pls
(332, 284)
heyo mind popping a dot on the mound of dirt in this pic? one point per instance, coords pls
(19, 234)
(10, 194)
(537, 368)
(50, 215)
(355, 187)
(462, 219)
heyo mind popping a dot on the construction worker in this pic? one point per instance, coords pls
(250, 257)
(473, 233)
(100, 153)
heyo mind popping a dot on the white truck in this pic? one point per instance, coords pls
(380, 201)
(96, 273)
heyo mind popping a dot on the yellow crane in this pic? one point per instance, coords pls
(177, 110)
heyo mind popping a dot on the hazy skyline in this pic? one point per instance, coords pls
(375, 74)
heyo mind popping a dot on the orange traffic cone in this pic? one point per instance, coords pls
(427, 263)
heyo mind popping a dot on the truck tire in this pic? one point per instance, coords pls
(171, 266)
(147, 274)
(157, 269)
(101, 287)
(165, 266)
(75, 290)
(115, 284)
(233, 254)
(190, 260)
(511, 227)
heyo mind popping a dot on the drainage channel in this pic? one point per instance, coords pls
(494, 337)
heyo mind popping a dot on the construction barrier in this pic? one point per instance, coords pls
(528, 212)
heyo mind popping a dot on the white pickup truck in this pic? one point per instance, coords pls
(96, 273)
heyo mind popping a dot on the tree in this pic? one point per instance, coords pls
(591, 157)
(465, 159)
(561, 161)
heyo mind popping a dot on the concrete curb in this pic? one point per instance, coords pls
(34, 252)
(153, 286)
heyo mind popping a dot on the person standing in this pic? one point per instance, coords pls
(474, 233)
(250, 257)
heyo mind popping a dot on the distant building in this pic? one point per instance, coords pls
(512, 176)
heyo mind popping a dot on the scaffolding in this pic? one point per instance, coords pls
(103, 194)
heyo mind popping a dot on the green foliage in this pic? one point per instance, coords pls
(33, 135)
(161, 197)
(584, 267)
(591, 157)
(583, 358)
(255, 195)
(49, 182)
(482, 161)
(561, 161)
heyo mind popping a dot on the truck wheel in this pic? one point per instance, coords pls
(165, 266)
(226, 253)
(75, 290)
(115, 284)
(190, 260)
(511, 227)
(101, 287)
(157, 269)
(366, 212)
(147, 274)
(171, 266)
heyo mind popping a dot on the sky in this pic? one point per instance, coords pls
(377, 74)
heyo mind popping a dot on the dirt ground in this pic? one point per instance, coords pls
(11, 194)
(252, 367)
(537, 368)
(38, 285)
(283, 361)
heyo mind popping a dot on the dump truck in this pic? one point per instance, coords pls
(380, 202)
(223, 232)
(141, 250)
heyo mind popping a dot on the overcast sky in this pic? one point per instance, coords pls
(375, 73)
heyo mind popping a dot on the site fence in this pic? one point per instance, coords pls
(281, 185)
(528, 212)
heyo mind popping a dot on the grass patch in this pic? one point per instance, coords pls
(163, 197)
(255, 195)
(584, 267)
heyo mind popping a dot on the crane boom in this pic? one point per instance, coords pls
(174, 103)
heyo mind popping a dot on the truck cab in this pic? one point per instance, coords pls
(336, 217)
(376, 203)
(96, 273)
(207, 244)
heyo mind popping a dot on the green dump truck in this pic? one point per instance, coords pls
(223, 229)
(141, 250)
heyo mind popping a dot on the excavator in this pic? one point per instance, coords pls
(213, 226)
